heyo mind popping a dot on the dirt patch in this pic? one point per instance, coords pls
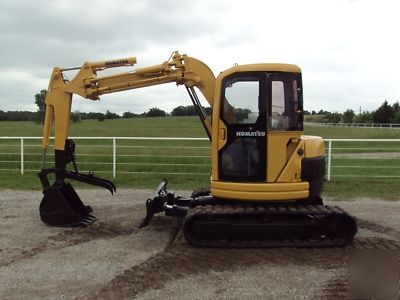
(112, 258)
(71, 237)
(181, 261)
(378, 228)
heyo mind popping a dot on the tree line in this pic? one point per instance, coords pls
(386, 113)
(77, 116)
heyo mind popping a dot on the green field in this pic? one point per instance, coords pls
(186, 164)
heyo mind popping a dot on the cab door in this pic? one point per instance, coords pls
(243, 113)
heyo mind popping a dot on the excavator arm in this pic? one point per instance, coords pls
(61, 206)
(181, 69)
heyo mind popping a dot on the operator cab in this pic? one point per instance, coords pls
(254, 104)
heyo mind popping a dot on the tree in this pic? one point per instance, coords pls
(332, 117)
(76, 116)
(383, 114)
(109, 115)
(396, 118)
(364, 117)
(323, 112)
(40, 102)
(208, 110)
(348, 116)
(94, 116)
(155, 112)
(128, 114)
(189, 110)
(18, 116)
(179, 111)
(396, 107)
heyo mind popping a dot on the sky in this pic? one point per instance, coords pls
(348, 50)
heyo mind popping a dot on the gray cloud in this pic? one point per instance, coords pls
(346, 49)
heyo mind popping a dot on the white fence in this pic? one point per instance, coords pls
(356, 125)
(378, 153)
(350, 157)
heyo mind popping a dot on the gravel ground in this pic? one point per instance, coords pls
(112, 258)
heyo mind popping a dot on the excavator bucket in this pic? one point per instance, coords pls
(61, 206)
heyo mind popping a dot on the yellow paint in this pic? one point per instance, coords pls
(314, 146)
(216, 143)
(266, 67)
(260, 196)
(259, 187)
(222, 135)
(279, 144)
(260, 191)
(292, 170)
(58, 109)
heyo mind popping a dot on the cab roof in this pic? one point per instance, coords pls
(264, 67)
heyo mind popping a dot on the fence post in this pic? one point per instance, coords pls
(328, 176)
(114, 157)
(22, 156)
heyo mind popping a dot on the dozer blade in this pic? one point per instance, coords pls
(61, 206)
(155, 203)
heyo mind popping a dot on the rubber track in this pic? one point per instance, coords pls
(267, 210)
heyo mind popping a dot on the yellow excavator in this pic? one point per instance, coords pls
(266, 176)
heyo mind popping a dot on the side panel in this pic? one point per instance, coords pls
(281, 145)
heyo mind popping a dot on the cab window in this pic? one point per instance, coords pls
(240, 104)
(285, 109)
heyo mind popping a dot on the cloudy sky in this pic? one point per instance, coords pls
(348, 50)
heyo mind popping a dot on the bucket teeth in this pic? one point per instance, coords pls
(87, 221)
(91, 217)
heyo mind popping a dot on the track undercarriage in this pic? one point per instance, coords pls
(210, 222)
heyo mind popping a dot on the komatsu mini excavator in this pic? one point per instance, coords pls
(266, 176)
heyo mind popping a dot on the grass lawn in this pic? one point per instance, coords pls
(143, 164)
